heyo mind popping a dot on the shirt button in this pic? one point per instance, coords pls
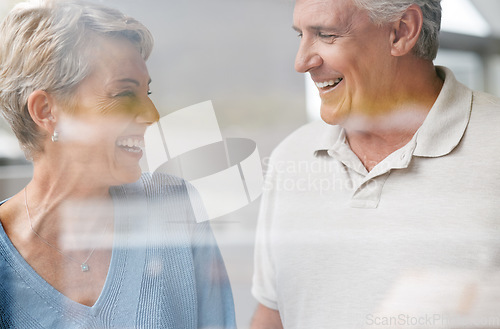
(403, 156)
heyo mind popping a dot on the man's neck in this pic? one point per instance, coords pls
(373, 138)
(373, 147)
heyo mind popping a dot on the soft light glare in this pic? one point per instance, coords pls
(461, 16)
(313, 101)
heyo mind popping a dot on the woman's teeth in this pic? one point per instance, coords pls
(328, 83)
(131, 144)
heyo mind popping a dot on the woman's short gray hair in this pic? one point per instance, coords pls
(385, 11)
(46, 46)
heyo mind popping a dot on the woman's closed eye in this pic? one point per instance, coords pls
(126, 93)
(130, 93)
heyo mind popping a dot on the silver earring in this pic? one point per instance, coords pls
(55, 136)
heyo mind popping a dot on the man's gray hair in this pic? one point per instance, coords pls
(46, 46)
(386, 11)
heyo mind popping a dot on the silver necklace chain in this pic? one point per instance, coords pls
(84, 266)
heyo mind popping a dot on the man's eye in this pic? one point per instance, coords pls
(327, 36)
(299, 35)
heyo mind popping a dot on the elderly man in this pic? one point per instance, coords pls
(385, 214)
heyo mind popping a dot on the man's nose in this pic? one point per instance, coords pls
(307, 57)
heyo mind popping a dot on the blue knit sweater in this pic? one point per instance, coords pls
(166, 270)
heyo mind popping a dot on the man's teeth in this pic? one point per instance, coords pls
(131, 144)
(328, 83)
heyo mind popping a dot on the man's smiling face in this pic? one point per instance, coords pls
(348, 57)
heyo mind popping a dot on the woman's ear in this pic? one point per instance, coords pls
(42, 110)
(406, 31)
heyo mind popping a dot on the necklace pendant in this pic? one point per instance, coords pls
(85, 267)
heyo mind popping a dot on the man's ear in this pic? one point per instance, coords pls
(406, 31)
(42, 110)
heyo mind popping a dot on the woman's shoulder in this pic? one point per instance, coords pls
(151, 184)
(162, 182)
(160, 190)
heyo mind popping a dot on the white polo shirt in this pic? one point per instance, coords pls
(340, 247)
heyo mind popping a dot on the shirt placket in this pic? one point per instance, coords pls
(368, 186)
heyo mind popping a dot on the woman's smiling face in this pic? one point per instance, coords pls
(111, 109)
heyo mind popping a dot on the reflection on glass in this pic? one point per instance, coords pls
(90, 241)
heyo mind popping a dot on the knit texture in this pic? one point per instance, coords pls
(166, 270)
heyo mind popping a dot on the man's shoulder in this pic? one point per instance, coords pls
(486, 101)
(485, 110)
(309, 131)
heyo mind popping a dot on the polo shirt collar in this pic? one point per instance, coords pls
(447, 121)
(331, 136)
(440, 132)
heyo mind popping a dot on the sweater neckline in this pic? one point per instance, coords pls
(58, 300)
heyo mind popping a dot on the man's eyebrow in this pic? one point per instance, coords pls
(321, 28)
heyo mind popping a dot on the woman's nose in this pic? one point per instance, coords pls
(147, 113)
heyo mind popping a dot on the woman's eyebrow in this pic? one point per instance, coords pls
(137, 83)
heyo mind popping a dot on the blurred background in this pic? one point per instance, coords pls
(240, 55)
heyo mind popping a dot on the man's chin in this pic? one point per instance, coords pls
(333, 115)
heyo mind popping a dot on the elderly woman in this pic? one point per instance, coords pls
(90, 242)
